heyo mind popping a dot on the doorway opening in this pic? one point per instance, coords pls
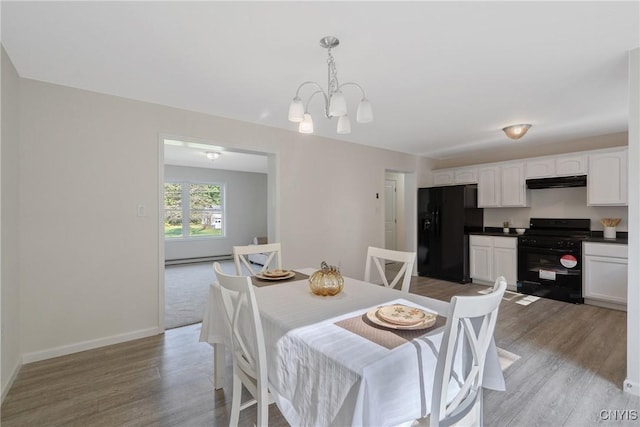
(399, 214)
(208, 204)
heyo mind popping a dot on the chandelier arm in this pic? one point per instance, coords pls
(326, 102)
(308, 83)
(353, 84)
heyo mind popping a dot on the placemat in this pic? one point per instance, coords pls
(259, 283)
(388, 338)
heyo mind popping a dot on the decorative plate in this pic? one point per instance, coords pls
(276, 273)
(428, 321)
(264, 276)
(399, 314)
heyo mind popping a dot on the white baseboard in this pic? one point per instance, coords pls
(89, 345)
(12, 378)
(169, 262)
(631, 387)
(611, 305)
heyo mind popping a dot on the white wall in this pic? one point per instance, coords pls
(10, 224)
(245, 211)
(556, 203)
(94, 158)
(632, 382)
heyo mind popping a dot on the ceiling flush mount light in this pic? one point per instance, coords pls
(335, 104)
(212, 155)
(516, 131)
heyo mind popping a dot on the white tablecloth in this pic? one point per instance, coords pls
(321, 374)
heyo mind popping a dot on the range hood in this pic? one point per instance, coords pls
(558, 182)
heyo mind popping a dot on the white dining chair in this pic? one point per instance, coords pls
(273, 252)
(471, 322)
(244, 330)
(378, 257)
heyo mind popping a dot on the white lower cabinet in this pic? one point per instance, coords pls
(493, 256)
(481, 257)
(604, 279)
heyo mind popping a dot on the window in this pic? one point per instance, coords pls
(202, 204)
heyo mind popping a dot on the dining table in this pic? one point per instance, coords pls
(328, 364)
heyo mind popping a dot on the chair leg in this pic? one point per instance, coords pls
(263, 407)
(480, 409)
(235, 399)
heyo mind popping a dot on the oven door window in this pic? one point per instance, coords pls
(550, 266)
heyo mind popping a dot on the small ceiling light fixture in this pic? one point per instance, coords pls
(335, 104)
(211, 155)
(516, 131)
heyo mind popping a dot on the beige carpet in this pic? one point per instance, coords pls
(186, 290)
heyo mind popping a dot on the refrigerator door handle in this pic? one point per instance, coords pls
(436, 221)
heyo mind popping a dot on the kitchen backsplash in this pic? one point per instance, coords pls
(556, 203)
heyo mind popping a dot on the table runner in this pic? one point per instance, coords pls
(387, 338)
(257, 282)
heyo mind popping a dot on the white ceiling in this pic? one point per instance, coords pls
(443, 77)
(194, 154)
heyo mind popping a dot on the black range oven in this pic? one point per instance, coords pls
(550, 258)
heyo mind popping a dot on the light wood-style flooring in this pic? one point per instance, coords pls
(572, 366)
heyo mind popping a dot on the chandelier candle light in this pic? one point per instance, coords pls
(335, 104)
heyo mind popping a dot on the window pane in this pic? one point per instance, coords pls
(172, 210)
(205, 214)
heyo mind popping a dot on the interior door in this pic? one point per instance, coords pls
(390, 220)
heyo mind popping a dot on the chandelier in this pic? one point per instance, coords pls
(335, 104)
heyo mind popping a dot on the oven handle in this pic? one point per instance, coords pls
(547, 250)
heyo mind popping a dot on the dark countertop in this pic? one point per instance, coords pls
(596, 236)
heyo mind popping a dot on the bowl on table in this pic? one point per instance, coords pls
(520, 230)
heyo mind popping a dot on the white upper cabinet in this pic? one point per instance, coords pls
(513, 187)
(455, 176)
(466, 175)
(607, 178)
(502, 186)
(571, 165)
(443, 177)
(540, 168)
(489, 187)
(564, 165)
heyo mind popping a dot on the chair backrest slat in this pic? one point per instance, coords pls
(273, 252)
(379, 256)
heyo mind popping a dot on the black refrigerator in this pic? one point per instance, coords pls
(446, 215)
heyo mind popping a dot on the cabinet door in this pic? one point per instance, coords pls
(466, 175)
(480, 258)
(605, 279)
(505, 263)
(443, 177)
(571, 165)
(513, 187)
(488, 187)
(540, 168)
(607, 178)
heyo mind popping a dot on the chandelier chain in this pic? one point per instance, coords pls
(332, 84)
